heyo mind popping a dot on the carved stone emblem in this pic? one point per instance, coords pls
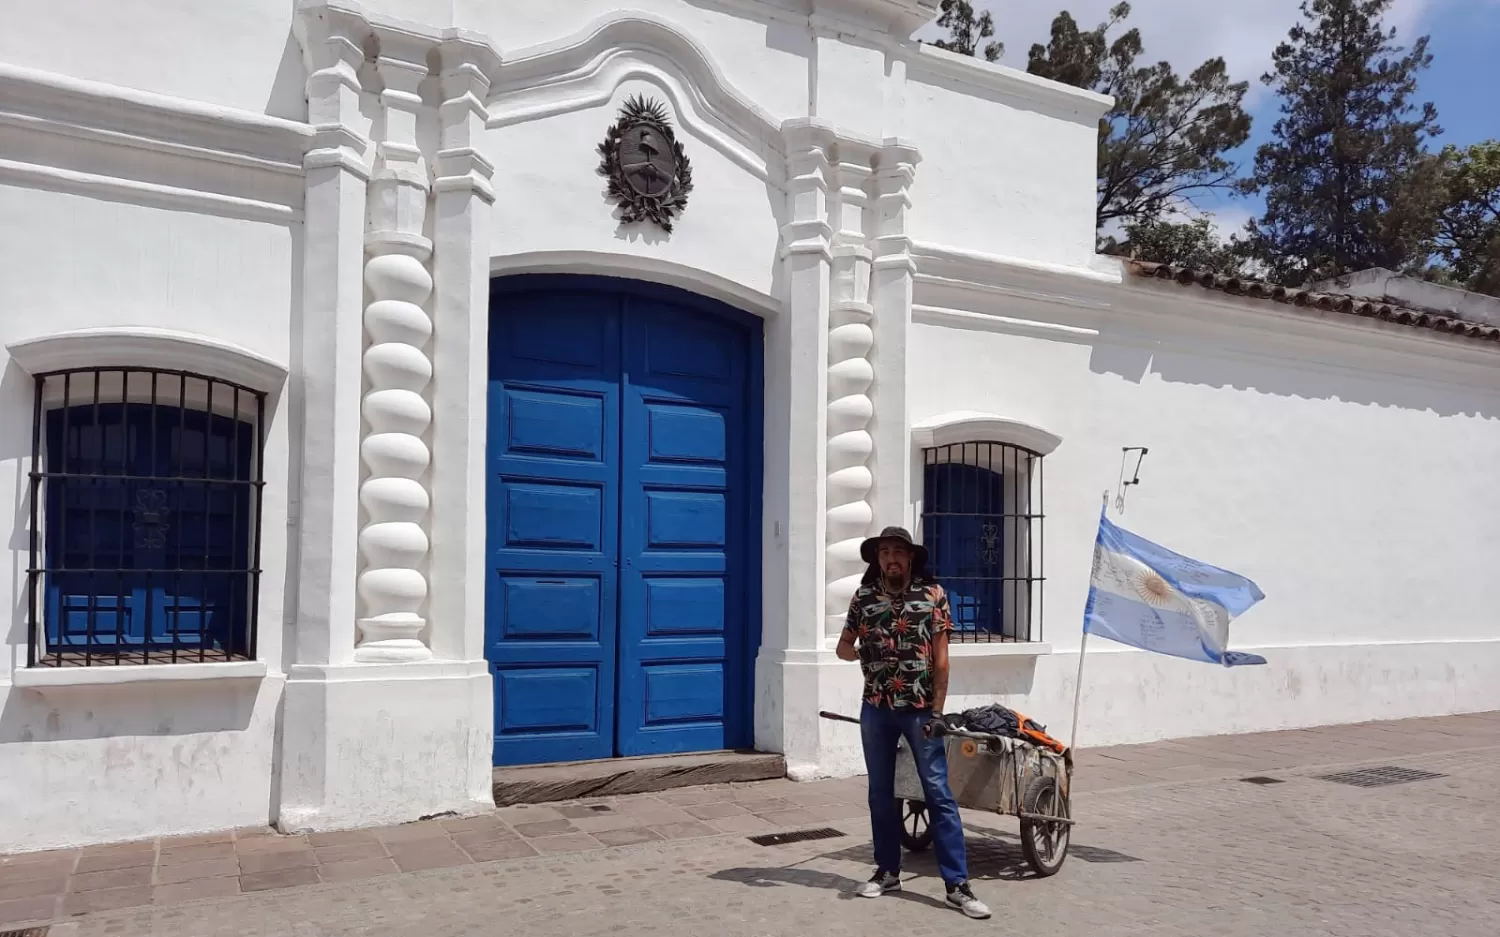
(649, 174)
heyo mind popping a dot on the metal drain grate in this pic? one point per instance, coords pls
(1262, 779)
(781, 839)
(27, 931)
(1380, 777)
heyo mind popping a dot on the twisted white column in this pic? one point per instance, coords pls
(850, 382)
(393, 543)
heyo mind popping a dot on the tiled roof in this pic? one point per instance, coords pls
(1309, 299)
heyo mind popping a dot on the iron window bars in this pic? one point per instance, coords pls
(145, 518)
(982, 525)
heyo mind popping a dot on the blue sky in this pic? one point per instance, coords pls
(1465, 44)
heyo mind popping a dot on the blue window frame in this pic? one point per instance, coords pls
(982, 525)
(148, 484)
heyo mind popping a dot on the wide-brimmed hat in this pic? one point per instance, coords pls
(869, 550)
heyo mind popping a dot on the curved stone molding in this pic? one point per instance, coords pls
(961, 426)
(143, 347)
(851, 379)
(394, 542)
(585, 70)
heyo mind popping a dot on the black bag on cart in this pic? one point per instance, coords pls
(1002, 720)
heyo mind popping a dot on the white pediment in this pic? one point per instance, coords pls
(960, 426)
(145, 347)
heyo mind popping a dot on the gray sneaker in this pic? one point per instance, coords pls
(879, 884)
(961, 896)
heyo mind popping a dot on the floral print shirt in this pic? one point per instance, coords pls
(894, 635)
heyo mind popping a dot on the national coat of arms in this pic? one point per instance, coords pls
(649, 174)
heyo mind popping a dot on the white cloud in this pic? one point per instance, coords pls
(1184, 32)
(1229, 219)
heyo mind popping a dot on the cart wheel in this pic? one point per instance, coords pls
(1045, 844)
(916, 831)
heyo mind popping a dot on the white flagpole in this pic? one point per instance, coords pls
(1078, 692)
(1078, 682)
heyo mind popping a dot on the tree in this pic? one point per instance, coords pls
(1192, 243)
(1347, 181)
(967, 29)
(1165, 141)
(1468, 221)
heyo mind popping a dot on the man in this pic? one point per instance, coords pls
(898, 629)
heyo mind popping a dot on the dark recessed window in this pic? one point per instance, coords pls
(145, 518)
(982, 525)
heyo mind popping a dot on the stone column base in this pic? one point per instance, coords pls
(791, 688)
(377, 744)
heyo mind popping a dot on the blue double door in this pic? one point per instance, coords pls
(622, 600)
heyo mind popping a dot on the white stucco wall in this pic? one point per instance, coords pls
(1341, 466)
(187, 756)
(170, 182)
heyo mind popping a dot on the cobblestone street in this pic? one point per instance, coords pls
(1171, 841)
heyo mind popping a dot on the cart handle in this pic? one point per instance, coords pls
(938, 728)
(836, 717)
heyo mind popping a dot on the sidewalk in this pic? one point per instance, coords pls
(1170, 840)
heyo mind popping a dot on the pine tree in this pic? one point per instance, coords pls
(1165, 141)
(1347, 182)
(966, 29)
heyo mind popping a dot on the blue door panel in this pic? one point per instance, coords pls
(686, 434)
(622, 488)
(683, 605)
(683, 532)
(687, 519)
(682, 694)
(561, 703)
(549, 516)
(536, 609)
(553, 525)
(550, 424)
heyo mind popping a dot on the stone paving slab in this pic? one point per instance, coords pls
(1170, 842)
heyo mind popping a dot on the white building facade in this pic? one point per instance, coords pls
(357, 441)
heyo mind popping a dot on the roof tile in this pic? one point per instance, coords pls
(1326, 302)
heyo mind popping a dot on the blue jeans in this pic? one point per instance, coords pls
(880, 729)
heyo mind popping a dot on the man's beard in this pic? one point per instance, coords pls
(895, 578)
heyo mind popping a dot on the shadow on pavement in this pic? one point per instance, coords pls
(842, 885)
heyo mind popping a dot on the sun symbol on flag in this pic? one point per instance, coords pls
(1153, 589)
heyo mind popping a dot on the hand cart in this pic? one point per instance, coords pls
(1007, 776)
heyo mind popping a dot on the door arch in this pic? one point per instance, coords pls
(623, 537)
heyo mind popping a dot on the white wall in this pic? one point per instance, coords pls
(184, 756)
(551, 201)
(1342, 466)
(1007, 162)
(238, 54)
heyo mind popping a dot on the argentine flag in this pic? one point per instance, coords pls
(1148, 597)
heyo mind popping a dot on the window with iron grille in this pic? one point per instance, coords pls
(982, 526)
(145, 518)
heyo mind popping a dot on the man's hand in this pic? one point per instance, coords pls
(845, 650)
